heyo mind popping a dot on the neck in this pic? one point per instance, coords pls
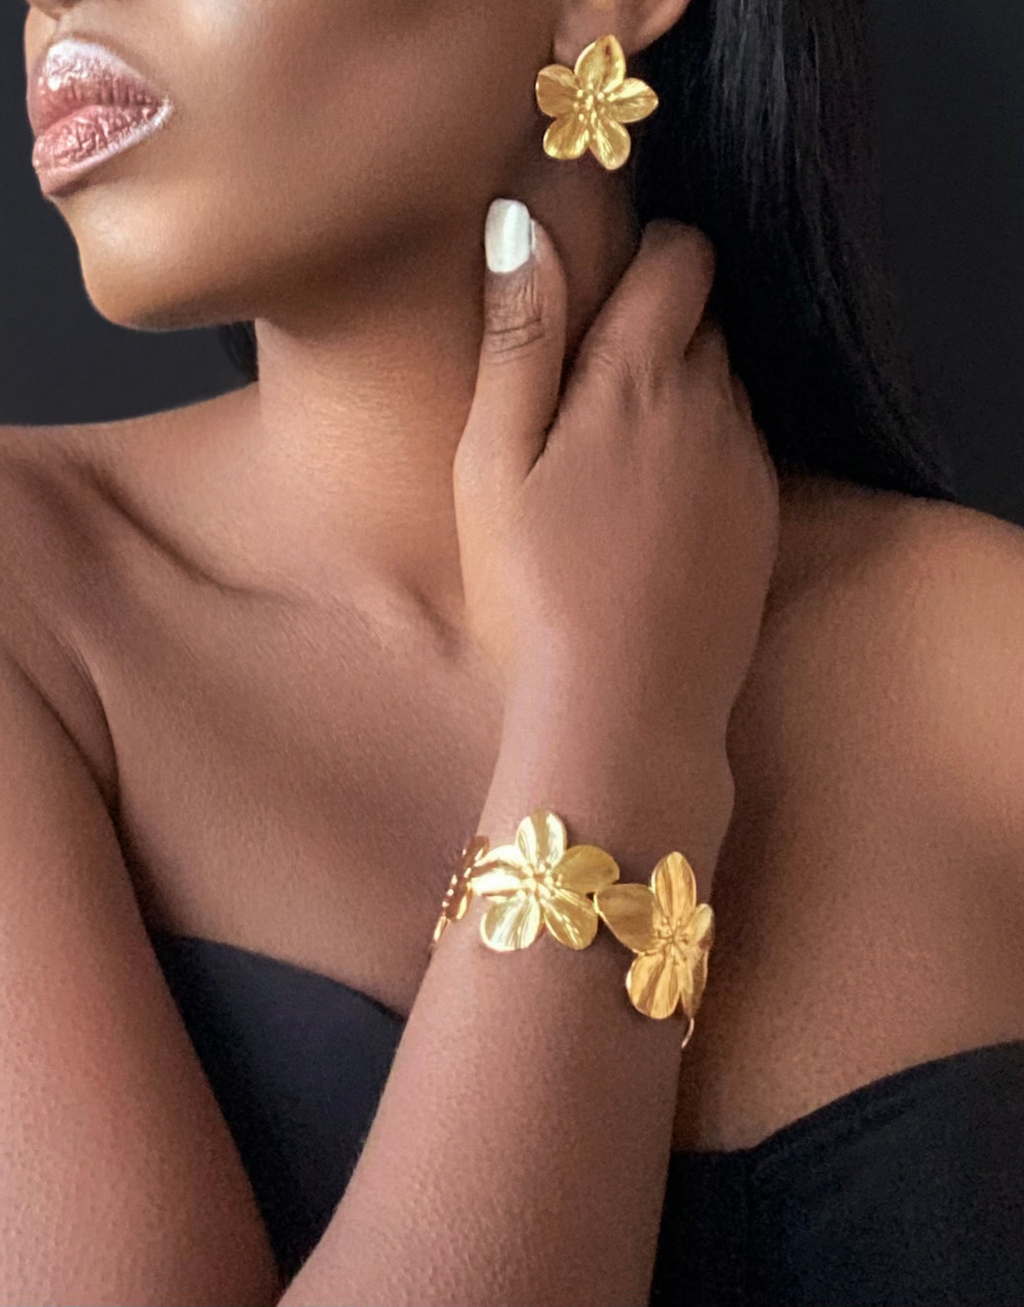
(365, 388)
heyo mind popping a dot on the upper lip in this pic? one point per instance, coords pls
(76, 71)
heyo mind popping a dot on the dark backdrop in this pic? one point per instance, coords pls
(950, 138)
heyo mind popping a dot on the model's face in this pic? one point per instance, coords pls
(307, 136)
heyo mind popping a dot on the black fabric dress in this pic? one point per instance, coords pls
(909, 1190)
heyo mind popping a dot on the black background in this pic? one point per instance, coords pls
(950, 146)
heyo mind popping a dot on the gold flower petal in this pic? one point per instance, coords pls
(511, 923)
(556, 90)
(507, 857)
(609, 141)
(478, 845)
(692, 974)
(701, 928)
(570, 918)
(653, 984)
(498, 881)
(629, 913)
(541, 836)
(631, 101)
(566, 138)
(675, 888)
(462, 902)
(585, 868)
(602, 65)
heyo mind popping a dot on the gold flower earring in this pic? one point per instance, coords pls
(590, 102)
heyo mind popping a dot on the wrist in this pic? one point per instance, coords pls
(637, 792)
(555, 694)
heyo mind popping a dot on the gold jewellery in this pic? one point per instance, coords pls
(540, 884)
(590, 102)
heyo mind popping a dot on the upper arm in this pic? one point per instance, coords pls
(971, 669)
(902, 662)
(120, 1180)
(953, 614)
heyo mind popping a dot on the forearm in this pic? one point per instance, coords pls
(520, 1149)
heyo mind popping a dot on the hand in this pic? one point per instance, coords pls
(625, 536)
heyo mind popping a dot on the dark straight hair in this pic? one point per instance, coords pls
(763, 139)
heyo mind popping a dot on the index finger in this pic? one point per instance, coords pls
(651, 316)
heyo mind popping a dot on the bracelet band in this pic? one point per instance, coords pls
(541, 883)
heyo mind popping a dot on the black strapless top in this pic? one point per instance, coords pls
(909, 1190)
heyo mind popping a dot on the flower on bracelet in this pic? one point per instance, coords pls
(670, 933)
(538, 882)
(460, 891)
(590, 102)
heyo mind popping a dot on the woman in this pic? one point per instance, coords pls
(272, 660)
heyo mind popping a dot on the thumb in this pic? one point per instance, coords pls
(521, 356)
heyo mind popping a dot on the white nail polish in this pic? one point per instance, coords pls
(508, 235)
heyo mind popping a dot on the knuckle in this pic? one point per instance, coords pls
(516, 322)
(599, 369)
(649, 376)
(511, 340)
(638, 376)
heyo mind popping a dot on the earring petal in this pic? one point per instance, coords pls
(566, 138)
(631, 101)
(602, 65)
(556, 90)
(609, 142)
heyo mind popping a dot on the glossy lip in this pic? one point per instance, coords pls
(80, 90)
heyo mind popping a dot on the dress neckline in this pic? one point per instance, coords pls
(866, 1100)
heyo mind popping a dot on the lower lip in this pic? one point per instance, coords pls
(89, 136)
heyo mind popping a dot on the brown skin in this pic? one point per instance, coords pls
(327, 173)
(651, 453)
(267, 595)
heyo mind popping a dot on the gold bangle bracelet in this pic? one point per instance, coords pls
(540, 882)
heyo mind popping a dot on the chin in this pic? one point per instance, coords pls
(167, 290)
(149, 306)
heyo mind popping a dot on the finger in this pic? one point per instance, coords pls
(521, 355)
(747, 409)
(709, 354)
(650, 318)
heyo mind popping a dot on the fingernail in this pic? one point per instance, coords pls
(508, 235)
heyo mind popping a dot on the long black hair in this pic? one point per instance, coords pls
(763, 139)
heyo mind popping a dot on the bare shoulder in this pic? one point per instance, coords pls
(64, 489)
(895, 640)
(71, 497)
(170, 1215)
(833, 529)
(892, 565)
(51, 552)
(61, 555)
